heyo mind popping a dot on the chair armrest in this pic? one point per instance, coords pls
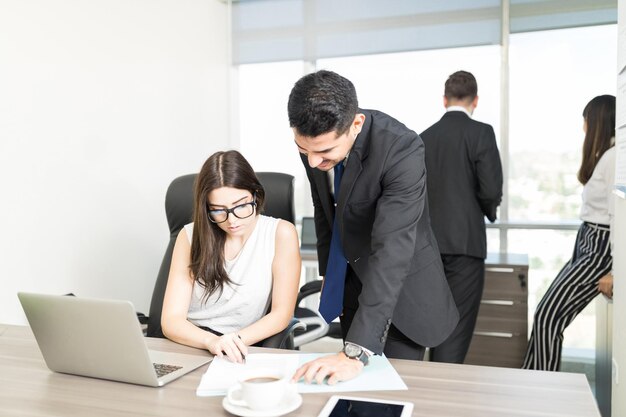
(143, 319)
(309, 288)
(284, 339)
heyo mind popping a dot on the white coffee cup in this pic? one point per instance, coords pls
(259, 389)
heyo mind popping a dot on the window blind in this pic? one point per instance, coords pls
(286, 30)
(533, 15)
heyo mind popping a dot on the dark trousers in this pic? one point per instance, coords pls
(466, 278)
(397, 346)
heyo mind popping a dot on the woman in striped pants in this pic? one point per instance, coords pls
(590, 266)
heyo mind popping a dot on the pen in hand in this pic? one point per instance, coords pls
(242, 355)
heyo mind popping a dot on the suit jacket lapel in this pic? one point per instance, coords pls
(354, 166)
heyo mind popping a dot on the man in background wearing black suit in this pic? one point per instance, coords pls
(464, 184)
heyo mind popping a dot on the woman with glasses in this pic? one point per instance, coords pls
(230, 264)
(588, 271)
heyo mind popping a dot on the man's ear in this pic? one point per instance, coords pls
(445, 102)
(359, 120)
(475, 102)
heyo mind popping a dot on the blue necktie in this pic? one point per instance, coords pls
(331, 300)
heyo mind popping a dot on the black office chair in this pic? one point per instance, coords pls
(179, 209)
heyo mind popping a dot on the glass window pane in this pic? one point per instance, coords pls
(493, 240)
(553, 74)
(409, 86)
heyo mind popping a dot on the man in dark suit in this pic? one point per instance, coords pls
(464, 186)
(393, 296)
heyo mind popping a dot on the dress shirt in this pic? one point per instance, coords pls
(458, 108)
(331, 177)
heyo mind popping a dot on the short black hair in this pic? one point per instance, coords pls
(461, 86)
(322, 102)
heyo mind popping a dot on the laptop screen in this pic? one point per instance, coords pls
(308, 239)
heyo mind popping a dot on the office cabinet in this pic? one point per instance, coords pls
(501, 333)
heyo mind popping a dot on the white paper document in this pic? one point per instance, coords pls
(378, 375)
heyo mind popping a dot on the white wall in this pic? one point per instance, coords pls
(619, 308)
(102, 104)
(618, 397)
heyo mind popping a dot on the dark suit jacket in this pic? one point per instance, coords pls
(464, 182)
(386, 236)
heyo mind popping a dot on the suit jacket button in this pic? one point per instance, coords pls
(382, 339)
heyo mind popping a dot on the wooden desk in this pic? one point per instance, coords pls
(28, 388)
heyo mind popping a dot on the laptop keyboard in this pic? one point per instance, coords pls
(163, 369)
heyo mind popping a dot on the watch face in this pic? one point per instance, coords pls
(352, 351)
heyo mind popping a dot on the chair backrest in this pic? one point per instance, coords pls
(279, 203)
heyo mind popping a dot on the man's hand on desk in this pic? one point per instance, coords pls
(337, 367)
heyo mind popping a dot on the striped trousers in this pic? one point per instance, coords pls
(574, 287)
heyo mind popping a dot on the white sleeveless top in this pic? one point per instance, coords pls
(238, 306)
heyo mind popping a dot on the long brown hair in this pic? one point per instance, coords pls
(599, 115)
(222, 169)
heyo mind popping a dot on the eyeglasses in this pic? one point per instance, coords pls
(242, 211)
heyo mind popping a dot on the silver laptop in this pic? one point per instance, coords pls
(100, 339)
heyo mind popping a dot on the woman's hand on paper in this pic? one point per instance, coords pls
(229, 345)
(337, 367)
(605, 285)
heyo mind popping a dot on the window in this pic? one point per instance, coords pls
(553, 74)
(409, 86)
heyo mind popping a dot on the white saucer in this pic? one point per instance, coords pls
(291, 401)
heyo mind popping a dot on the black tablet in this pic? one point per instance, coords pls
(340, 406)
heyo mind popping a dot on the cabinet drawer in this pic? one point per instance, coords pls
(497, 350)
(509, 309)
(517, 326)
(510, 283)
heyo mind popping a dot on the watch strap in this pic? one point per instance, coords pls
(362, 356)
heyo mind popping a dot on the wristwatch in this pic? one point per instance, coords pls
(353, 351)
